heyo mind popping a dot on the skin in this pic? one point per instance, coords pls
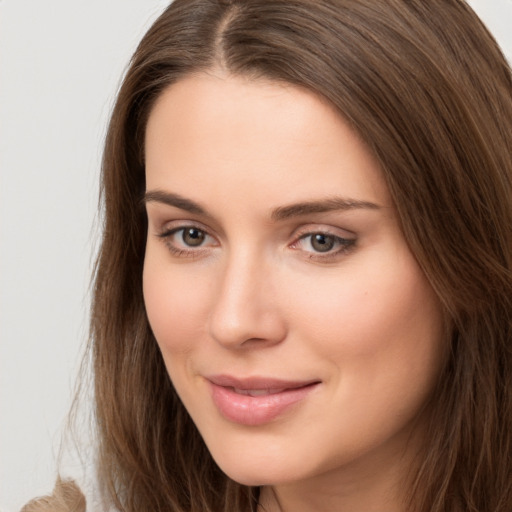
(256, 297)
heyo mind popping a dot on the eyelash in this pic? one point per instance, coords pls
(168, 234)
(344, 244)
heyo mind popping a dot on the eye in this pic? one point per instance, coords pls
(187, 240)
(193, 237)
(322, 244)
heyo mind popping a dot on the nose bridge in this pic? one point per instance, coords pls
(245, 309)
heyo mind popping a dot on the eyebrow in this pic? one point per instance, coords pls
(170, 199)
(279, 213)
(322, 206)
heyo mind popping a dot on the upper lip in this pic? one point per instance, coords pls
(248, 383)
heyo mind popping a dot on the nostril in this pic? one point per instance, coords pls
(248, 329)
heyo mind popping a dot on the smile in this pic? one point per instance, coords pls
(256, 401)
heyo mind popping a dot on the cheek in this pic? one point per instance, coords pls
(379, 333)
(176, 304)
(379, 314)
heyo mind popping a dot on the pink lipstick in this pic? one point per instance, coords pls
(257, 400)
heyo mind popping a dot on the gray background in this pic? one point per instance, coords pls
(60, 65)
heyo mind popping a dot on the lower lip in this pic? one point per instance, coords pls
(256, 410)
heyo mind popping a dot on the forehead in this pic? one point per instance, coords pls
(209, 131)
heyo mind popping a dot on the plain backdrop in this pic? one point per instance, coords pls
(61, 62)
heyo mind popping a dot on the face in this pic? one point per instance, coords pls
(294, 322)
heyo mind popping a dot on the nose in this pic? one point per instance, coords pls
(246, 310)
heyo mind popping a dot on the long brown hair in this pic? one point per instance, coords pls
(426, 87)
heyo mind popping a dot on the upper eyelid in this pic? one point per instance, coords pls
(171, 231)
(299, 232)
(337, 237)
(163, 223)
(160, 219)
(311, 229)
(167, 226)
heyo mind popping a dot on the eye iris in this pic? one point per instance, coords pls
(321, 242)
(193, 237)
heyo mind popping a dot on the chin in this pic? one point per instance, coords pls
(256, 478)
(256, 471)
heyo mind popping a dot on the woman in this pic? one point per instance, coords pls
(308, 229)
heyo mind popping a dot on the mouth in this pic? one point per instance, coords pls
(256, 401)
(257, 392)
